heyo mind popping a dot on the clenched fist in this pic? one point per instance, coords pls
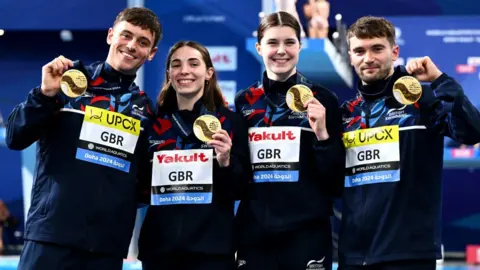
(52, 73)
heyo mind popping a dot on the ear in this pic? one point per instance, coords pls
(152, 53)
(210, 72)
(350, 57)
(259, 48)
(110, 36)
(395, 52)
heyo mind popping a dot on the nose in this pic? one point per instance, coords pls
(281, 49)
(131, 45)
(184, 69)
(368, 57)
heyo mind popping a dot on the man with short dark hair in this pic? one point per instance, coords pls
(394, 153)
(90, 150)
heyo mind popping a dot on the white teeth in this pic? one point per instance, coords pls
(185, 81)
(128, 55)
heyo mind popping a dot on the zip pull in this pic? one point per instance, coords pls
(367, 118)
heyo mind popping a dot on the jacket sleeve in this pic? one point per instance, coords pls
(330, 154)
(236, 177)
(29, 119)
(144, 171)
(450, 110)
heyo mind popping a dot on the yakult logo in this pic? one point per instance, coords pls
(177, 158)
(271, 136)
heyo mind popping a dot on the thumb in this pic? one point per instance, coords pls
(426, 61)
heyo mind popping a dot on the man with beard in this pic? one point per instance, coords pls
(89, 153)
(394, 154)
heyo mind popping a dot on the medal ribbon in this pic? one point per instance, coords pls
(180, 126)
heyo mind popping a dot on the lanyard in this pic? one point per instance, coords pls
(181, 127)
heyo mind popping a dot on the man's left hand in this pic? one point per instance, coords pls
(423, 69)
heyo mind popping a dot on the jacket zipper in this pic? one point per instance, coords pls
(180, 225)
(367, 118)
(117, 101)
(273, 110)
(367, 123)
(363, 222)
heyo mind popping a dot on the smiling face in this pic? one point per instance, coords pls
(372, 48)
(188, 72)
(372, 58)
(130, 47)
(279, 48)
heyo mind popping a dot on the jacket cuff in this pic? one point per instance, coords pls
(323, 143)
(227, 169)
(439, 81)
(37, 93)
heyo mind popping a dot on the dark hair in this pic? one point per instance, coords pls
(368, 27)
(143, 18)
(280, 18)
(212, 95)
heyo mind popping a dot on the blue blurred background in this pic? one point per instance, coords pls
(34, 32)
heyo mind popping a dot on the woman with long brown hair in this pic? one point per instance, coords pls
(298, 158)
(200, 165)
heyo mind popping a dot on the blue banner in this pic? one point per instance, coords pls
(222, 26)
(453, 44)
(59, 14)
(351, 10)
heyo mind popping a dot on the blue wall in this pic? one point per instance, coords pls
(213, 23)
(58, 14)
(22, 55)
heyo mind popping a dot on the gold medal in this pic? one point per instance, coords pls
(407, 90)
(296, 97)
(73, 83)
(205, 126)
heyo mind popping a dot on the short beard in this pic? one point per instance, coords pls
(381, 75)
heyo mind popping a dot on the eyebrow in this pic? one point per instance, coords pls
(275, 39)
(189, 59)
(373, 46)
